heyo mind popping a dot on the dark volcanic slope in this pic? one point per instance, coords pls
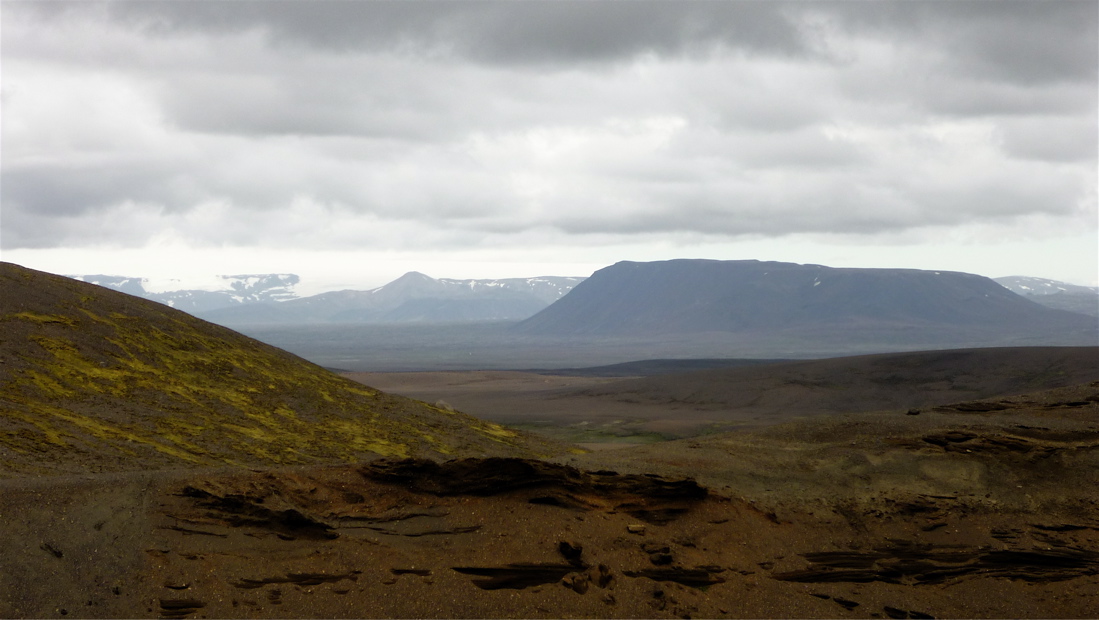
(687, 296)
(863, 383)
(96, 380)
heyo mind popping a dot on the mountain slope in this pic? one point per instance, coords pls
(414, 297)
(694, 296)
(1054, 294)
(95, 380)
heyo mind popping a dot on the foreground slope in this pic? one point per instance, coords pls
(976, 510)
(96, 380)
(807, 303)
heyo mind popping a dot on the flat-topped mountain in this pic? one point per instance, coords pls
(412, 298)
(96, 380)
(804, 301)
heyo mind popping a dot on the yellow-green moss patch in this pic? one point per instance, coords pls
(41, 319)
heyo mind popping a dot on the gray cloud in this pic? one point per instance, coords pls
(464, 123)
(1025, 42)
(493, 31)
(1020, 41)
(1052, 139)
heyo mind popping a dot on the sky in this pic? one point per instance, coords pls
(352, 141)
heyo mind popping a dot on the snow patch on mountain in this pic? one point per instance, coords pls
(413, 297)
(1054, 294)
(1041, 286)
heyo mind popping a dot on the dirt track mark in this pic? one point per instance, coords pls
(697, 577)
(910, 563)
(301, 579)
(519, 575)
(1038, 446)
(179, 607)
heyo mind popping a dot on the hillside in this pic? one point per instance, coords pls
(412, 298)
(811, 302)
(96, 380)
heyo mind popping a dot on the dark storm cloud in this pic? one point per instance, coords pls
(1025, 41)
(495, 31)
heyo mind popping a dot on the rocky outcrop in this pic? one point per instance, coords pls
(648, 497)
(905, 562)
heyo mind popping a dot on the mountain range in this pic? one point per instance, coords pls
(235, 290)
(412, 298)
(268, 299)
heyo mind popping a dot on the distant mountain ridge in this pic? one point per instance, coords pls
(1054, 294)
(237, 290)
(804, 302)
(258, 299)
(414, 297)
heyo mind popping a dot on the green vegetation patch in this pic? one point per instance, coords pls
(106, 382)
(40, 319)
(195, 398)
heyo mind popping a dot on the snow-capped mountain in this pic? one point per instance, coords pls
(1054, 294)
(416, 284)
(414, 297)
(220, 292)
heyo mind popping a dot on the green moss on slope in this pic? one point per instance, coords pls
(94, 379)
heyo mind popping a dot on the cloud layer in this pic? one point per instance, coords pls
(399, 125)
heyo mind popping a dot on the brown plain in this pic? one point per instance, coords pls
(610, 412)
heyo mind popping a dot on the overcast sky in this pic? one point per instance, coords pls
(351, 141)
